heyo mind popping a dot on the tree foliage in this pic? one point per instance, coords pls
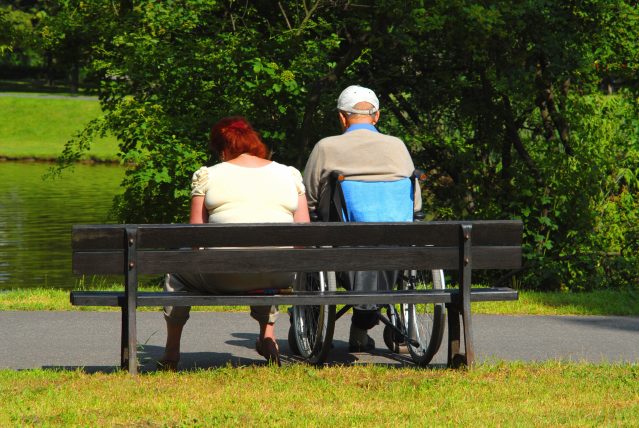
(16, 28)
(516, 109)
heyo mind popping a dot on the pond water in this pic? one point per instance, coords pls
(36, 216)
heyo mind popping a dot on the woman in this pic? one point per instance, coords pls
(246, 187)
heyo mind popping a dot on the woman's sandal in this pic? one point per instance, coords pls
(269, 349)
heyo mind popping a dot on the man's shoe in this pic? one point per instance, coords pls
(359, 340)
(362, 347)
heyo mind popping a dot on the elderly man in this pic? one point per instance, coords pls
(360, 153)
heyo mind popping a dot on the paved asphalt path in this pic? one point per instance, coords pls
(90, 340)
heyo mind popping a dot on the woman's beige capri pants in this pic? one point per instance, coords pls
(223, 283)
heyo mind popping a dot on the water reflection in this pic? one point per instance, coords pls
(36, 218)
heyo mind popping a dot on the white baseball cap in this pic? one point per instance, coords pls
(356, 94)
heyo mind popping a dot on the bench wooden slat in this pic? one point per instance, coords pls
(116, 298)
(498, 233)
(295, 260)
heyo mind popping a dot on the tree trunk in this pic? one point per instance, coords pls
(512, 135)
(74, 77)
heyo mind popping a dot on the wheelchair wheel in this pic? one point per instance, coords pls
(424, 321)
(312, 327)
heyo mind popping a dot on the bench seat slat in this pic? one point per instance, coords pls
(116, 298)
(499, 233)
(296, 260)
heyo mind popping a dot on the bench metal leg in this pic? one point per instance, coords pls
(465, 270)
(456, 319)
(128, 346)
(124, 339)
(454, 336)
(129, 334)
(462, 307)
(469, 344)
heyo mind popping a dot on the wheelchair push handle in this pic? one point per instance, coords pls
(338, 176)
(420, 175)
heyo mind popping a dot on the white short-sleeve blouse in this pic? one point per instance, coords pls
(238, 194)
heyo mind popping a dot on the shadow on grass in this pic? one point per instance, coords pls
(195, 361)
(40, 86)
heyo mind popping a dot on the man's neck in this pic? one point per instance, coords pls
(359, 126)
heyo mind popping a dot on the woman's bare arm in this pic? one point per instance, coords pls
(199, 214)
(301, 214)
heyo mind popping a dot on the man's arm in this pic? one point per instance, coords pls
(312, 178)
(417, 204)
(410, 168)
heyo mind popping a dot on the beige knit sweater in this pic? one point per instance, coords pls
(360, 155)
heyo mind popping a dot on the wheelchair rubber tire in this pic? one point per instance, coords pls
(313, 326)
(292, 342)
(392, 340)
(424, 322)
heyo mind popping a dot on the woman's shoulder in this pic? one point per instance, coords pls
(201, 173)
(220, 168)
(293, 173)
(200, 181)
(286, 168)
(206, 172)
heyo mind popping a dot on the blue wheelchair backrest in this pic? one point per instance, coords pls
(378, 201)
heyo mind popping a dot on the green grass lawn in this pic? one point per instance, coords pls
(38, 128)
(497, 394)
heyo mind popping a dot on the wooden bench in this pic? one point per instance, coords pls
(131, 250)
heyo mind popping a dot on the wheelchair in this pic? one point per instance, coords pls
(413, 328)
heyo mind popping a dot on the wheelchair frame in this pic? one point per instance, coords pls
(408, 327)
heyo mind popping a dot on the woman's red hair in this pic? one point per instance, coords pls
(233, 136)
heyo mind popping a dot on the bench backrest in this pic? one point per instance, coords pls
(156, 249)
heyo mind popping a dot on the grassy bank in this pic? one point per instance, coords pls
(38, 127)
(604, 302)
(514, 394)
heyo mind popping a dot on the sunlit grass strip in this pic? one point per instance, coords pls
(603, 302)
(47, 299)
(39, 127)
(500, 394)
